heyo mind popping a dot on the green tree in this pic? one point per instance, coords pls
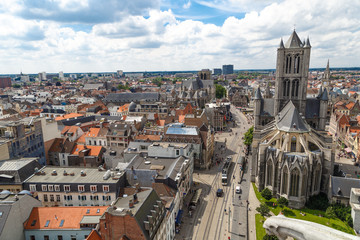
(266, 193)
(330, 213)
(220, 91)
(157, 81)
(16, 86)
(248, 137)
(270, 237)
(263, 209)
(282, 201)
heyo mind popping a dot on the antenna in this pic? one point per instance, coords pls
(294, 26)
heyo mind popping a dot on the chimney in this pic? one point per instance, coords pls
(131, 203)
(135, 198)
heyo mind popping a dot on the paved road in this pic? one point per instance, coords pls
(239, 228)
(209, 220)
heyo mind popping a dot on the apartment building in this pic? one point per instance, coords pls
(58, 186)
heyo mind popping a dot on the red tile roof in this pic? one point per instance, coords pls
(72, 216)
(94, 150)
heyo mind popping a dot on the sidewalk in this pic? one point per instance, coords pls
(253, 204)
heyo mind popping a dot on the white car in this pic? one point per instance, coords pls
(238, 189)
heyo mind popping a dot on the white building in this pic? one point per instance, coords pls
(58, 186)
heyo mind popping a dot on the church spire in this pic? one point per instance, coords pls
(281, 43)
(307, 44)
(294, 41)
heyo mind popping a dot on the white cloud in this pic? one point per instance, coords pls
(187, 5)
(158, 41)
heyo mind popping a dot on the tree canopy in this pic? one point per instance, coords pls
(248, 137)
(263, 209)
(220, 91)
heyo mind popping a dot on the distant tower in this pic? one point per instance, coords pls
(267, 93)
(326, 77)
(292, 69)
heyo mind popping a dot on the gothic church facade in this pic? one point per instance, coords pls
(292, 154)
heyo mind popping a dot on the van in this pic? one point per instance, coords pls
(238, 189)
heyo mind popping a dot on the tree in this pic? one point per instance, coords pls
(248, 137)
(16, 86)
(220, 91)
(282, 202)
(270, 237)
(263, 209)
(266, 193)
(58, 84)
(330, 213)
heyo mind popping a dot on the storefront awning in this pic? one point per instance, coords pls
(196, 197)
(348, 149)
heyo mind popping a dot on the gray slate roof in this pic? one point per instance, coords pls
(312, 109)
(294, 41)
(289, 119)
(19, 169)
(267, 107)
(341, 186)
(132, 97)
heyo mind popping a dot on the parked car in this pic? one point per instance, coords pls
(238, 189)
(219, 192)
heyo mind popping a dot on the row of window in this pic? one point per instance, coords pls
(56, 188)
(59, 237)
(52, 197)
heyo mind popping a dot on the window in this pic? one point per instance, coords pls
(106, 188)
(81, 188)
(58, 198)
(83, 198)
(88, 211)
(269, 171)
(46, 237)
(47, 223)
(45, 198)
(44, 188)
(98, 210)
(32, 237)
(62, 223)
(294, 183)
(69, 198)
(73, 237)
(177, 152)
(32, 188)
(60, 237)
(57, 188)
(93, 188)
(50, 188)
(52, 198)
(67, 188)
(285, 181)
(33, 223)
(293, 144)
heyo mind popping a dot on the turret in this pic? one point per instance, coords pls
(257, 107)
(323, 109)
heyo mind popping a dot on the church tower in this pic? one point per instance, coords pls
(292, 67)
(326, 78)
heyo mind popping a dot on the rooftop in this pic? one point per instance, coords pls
(63, 217)
(93, 175)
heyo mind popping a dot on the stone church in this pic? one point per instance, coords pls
(292, 154)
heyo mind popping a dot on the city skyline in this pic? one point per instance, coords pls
(168, 35)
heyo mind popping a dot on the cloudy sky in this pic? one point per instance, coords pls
(154, 35)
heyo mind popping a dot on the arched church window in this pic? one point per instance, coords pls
(269, 171)
(294, 182)
(288, 64)
(304, 183)
(296, 63)
(285, 177)
(317, 177)
(286, 88)
(295, 88)
(293, 144)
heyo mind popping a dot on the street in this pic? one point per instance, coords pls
(226, 216)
